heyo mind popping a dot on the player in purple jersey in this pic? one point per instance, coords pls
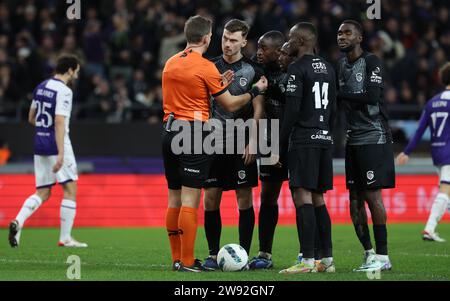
(435, 116)
(54, 159)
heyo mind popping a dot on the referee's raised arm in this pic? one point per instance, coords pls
(188, 82)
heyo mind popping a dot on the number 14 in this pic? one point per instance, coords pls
(320, 98)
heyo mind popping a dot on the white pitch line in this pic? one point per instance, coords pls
(85, 263)
(426, 255)
(409, 254)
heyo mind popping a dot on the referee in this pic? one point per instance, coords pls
(188, 81)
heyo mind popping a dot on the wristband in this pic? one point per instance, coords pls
(254, 91)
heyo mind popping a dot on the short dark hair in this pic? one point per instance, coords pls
(311, 28)
(444, 74)
(196, 27)
(236, 25)
(66, 62)
(276, 37)
(357, 25)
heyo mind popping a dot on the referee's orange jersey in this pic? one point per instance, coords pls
(188, 81)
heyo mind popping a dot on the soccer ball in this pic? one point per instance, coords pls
(232, 258)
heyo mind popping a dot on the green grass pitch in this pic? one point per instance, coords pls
(143, 254)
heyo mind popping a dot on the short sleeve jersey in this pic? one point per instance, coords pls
(50, 98)
(188, 81)
(366, 123)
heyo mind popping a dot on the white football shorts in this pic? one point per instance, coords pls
(444, 174)
(43, 166)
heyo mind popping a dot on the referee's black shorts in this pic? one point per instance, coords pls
(369, 167)
(185, 169)
(311, 168)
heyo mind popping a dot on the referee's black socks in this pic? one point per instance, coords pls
(246, 225)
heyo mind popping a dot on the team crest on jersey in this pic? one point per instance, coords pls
(291, 87)
(359, 77)
(370, 175)
(241, 174)
(243, 81)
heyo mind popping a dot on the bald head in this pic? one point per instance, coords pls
(305, 33)
(269, 46)
(274, 38)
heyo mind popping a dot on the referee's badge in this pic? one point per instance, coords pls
(370, 175)
(241, 174)
(243, 81)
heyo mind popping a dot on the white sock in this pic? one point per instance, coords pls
(368, 252)
(383, 258)
(327, 260)
(308, 261)
(28, 208)
(437, 211)
(265, 255)
(67, 213)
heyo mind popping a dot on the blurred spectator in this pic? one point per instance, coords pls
(9, 93)
(124, 45)
(94, 49)
(5, 153)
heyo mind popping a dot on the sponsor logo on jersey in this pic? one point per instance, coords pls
(321, 135)
(319, 67)
(376, 77)
(291, 87)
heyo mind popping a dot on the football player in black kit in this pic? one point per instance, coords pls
(238, 172)
(369, 158)
(310, 105)
(268, 54)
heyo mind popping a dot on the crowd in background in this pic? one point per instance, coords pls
(124, 45)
